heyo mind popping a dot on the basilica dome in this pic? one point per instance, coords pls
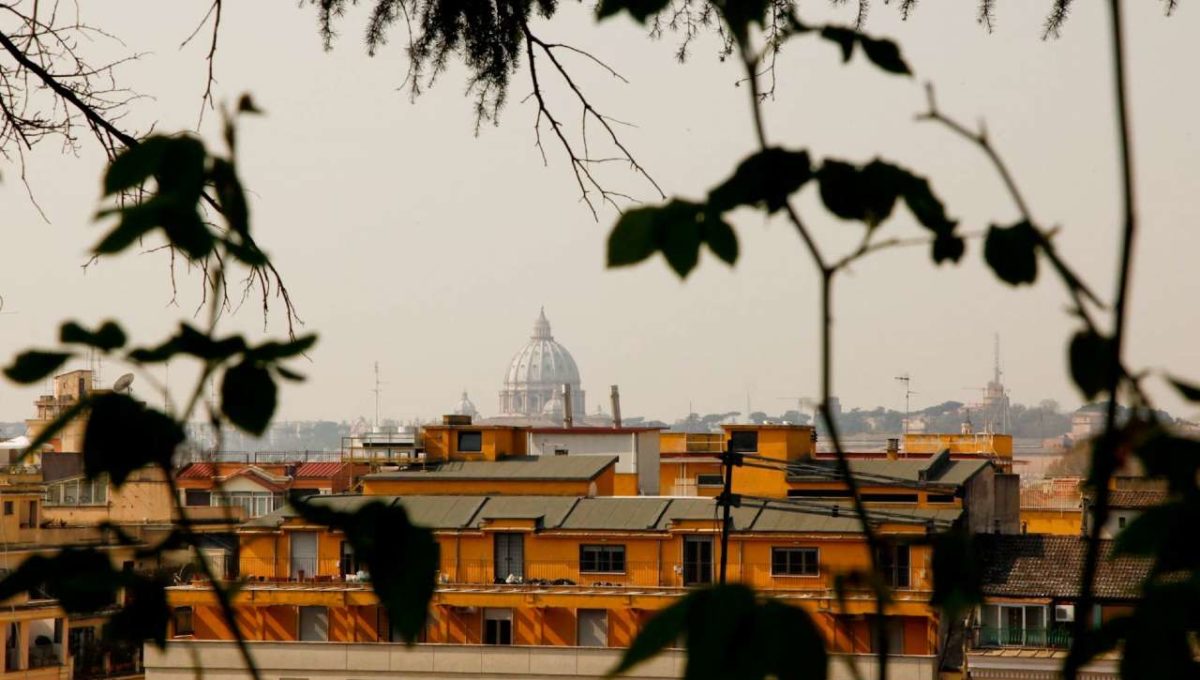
(537, 373)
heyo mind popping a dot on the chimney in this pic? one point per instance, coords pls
(893, 448)
(616, 407)
(568, 414)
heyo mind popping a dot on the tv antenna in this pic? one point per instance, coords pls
(907, 380)
(378, 392)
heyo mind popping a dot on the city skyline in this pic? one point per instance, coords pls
(438, 329)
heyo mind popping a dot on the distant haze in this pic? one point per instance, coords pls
(406, 240)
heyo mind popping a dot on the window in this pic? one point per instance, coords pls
(894, 564)
(1120, 522)
(710, 480)
(470, 441)
(314, 624)
(592, 628)
(940, 498)
(794, 562)
(182, 617)
(195, 497)
(8, 508)
(255, 503)
(602, 558)
(78, 491)
(745, 441)
(497, 626)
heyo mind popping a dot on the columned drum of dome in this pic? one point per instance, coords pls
(533, 384)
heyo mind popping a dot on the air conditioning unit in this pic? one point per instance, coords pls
(1064, 613)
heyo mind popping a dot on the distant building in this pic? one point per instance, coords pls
(534, 382)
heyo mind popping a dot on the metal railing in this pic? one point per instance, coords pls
(1058, 637)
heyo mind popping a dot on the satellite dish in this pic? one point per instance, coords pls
(122, 384)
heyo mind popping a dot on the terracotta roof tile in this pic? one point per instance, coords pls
(309, 470)
(1131, 498)
(197, 471)
(1036, 565)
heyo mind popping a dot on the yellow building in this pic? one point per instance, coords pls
(997, 447)
(560, 570)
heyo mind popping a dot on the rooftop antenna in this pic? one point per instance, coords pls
(377, 392)
(996, 357)
(907, 380)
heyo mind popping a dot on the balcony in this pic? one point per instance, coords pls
(1058, 637)
(559, 573)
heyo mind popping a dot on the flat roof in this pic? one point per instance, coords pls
(937, 470)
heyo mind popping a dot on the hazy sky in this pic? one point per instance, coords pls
(407, 240)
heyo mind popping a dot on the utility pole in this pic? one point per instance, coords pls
(907, 380)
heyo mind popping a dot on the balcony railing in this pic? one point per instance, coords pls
(1058, 637)
(642, 574)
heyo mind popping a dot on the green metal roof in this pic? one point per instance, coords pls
(549, 510)
(541, 468)
(948, 473)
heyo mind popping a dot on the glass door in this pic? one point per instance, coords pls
(697, 560)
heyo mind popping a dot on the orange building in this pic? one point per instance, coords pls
(561, 570)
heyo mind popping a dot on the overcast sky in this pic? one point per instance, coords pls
(407, 240)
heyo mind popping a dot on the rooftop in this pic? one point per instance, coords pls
(1136, 498)
(940, 469)
(1034, 565)
(541, 468)
(643, 513)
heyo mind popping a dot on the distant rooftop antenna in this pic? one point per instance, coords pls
(907, 380)
(123, 383)
(996, 357)
(378, 391)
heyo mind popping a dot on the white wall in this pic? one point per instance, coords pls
(335, 660)
(637, 452)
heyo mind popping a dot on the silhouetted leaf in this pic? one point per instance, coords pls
(248, 396)
(231, 196)
(634, 238)
(739, 14)
(866, 195)
(1170, 457)
(1011, 252)
(1159, 638)
(246, 104)
(289, 375)
(957, 579)
(884, 54)
(948, 247)
(679, 225)
(1188, 390)
(123, 435)
(793, 647)
(34, 365)
(135, 222)
(730, 634)
(51, 430)
(274, 351)
(135, 165)
(926, 207)
(191, 342)
(766, 178)
(1090, 357)
(144, 615)
(402, 559)
(844, 37)
(81, 579)
(721, 239)
(638, 9)
(662, 630)
(107, 337)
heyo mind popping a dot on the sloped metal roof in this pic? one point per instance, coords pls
(551, 510)
(617, 514)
